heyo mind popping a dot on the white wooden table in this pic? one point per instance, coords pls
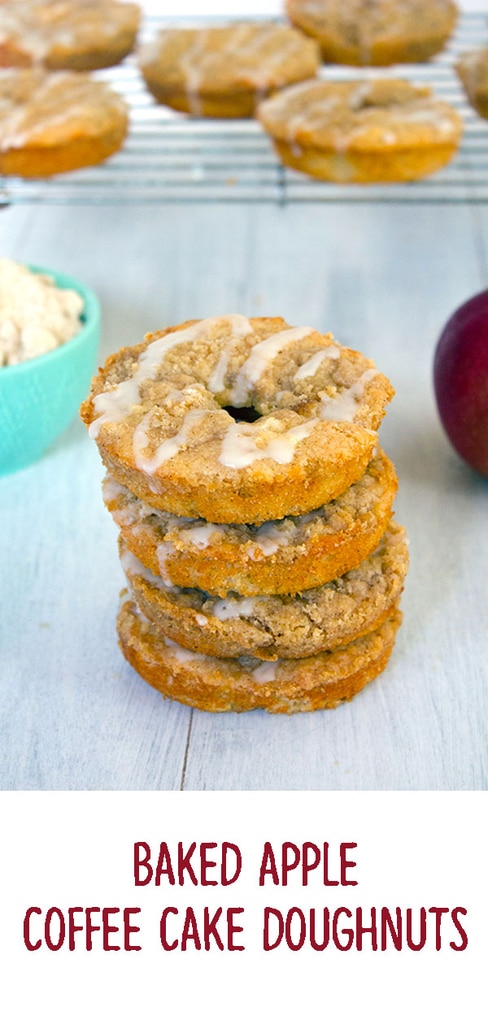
(383, 277)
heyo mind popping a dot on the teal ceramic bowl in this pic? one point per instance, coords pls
(40, 397)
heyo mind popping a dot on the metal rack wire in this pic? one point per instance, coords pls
(170, 157)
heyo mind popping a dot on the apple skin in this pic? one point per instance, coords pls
(461, 381)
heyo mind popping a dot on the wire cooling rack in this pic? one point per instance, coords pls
(169, 157)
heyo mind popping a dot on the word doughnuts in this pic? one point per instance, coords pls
(363, 132)
(78, 35)
(224, 70)
(264, 568)
(57, 121)
(162, 414)
(375, 33)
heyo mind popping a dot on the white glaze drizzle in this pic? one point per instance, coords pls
(241, 328)
(40, 27)
(261, 355)
(265, 672)
(193, 71)
(169, 447)
(233, 608)
(239, 448)
(112, 490)
(310, 367)
(132, 566)
(201, 535)
(430, 113)
(314, 115)
(344, 406)
(247, 47)
(239, 444)
(266, 547)
(113, 406)
(182, 653)
(162, 551)
(277, 534)
(58, 99)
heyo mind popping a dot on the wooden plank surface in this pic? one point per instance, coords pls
(382, 278)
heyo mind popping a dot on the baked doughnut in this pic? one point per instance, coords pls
(57, 121)
(167, 416)
(365, 131)
(375, 32)
(472, 69)
(224, 70)
(271, 627)
(241, 684)
(279, 557)
(79, 35)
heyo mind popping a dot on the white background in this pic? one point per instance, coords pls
(77, 849)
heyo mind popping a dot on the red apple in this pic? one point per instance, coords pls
(461, 381)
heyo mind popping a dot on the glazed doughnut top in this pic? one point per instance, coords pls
(237, 412)
(48, 108)
(376, 31)
(364, 114)
(56, 32)
(244, 54)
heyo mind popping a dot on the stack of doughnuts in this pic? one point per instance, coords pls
(264, 568)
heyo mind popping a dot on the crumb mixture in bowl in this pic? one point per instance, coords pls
(36, 315)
